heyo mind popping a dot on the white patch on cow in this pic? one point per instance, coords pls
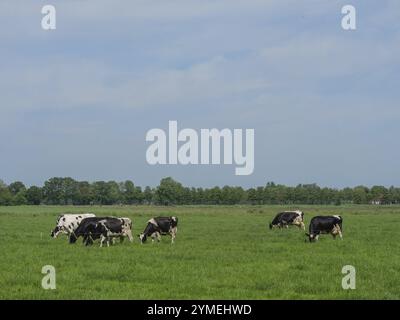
(68, 223)
(153, 221)
(337, 231)
(155, 235)
(127, 228)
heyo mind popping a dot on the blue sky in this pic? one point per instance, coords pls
(78, 101)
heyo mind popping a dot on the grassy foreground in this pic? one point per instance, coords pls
(221, 252)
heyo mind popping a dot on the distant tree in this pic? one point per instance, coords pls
(2, 184)
(53, 191)
(130, 193)
(34, 195)
(379, 193)
(20, 198)
(85, 193)
(6, 196)
(16, 187)
(148, 195)
(252, 196)
(214, 195)
(360, 195)
(169, 192)
(106, 193)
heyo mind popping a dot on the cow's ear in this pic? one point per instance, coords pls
(307, 234)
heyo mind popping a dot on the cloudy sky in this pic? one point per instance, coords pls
(324, 102)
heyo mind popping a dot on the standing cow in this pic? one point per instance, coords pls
(160, 226)
(109, 229)
(324, 225)
(103, 228)
(68, 223)
(286, 218)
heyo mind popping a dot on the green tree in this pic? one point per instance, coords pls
(169, 192)
(148, 195)
(16, 187)
(360, 195)
(34, 195)
(6, 196)
(20, 198)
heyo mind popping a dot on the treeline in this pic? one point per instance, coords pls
(67, 191)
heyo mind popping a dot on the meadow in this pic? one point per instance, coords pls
(221, 252)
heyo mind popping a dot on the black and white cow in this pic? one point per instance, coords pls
(110, 229)
(286, 218)
(323, 225)
(68, 223)
(160, 226)
(103, 228)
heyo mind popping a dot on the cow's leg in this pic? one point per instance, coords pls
(102, 238)
(129, 234)
(173, 234)
(156, 236)
(340, 232)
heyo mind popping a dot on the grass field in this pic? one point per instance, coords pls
(221, 252)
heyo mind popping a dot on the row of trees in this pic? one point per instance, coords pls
(67, 191)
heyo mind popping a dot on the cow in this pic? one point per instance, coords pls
(160, 226)
(68, 223)
(103, 228)
(110, 229)
(325, 224)
(126, 229)
(286, 218)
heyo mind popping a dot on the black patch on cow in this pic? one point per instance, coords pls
(163, 226)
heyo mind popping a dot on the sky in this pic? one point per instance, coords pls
(78, 101)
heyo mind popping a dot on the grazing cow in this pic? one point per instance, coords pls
(160, 226)
(286, 218)
(68, 223)
(126, 229)
(103, 228)
(111, 229)
(325, 224)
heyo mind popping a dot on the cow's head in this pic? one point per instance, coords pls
(142, 237)
(270, 226)
(311, 237)
(54, 233)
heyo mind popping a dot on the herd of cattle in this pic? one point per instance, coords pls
(91, 228)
